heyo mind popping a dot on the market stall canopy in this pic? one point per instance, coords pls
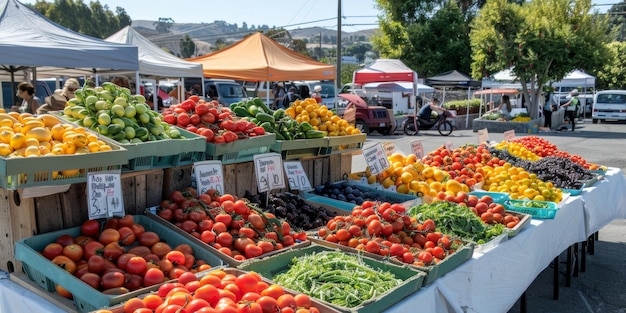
(259, 58)
(154, 61)
(384, 70)
(496, 92)
(576, 78)
(452, 79)
(399, 86)
(28, 39)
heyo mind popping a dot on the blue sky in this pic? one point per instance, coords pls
(358, 14)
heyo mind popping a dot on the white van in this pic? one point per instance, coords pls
(609, 105)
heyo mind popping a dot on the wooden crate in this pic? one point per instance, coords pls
(22, 217)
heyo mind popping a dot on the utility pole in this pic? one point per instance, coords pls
(338, 79)
(320, 55)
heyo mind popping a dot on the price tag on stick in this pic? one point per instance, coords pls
(483, 135)
(297, 178)
(376, 158)
(509, 135)
(104, 194)
(417, 148)
(269, 171)
(209, 175)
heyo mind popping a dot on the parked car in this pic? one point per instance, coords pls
(225, 91)
(609, 105)
(367, 117)
(328, 91)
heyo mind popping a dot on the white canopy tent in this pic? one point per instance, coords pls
(154, 62)
(28, 39)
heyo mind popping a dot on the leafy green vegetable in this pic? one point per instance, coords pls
(456, 220)
(336, 277)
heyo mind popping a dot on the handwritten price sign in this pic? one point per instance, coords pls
(376, 158)
(104, 194)
(297, 178)
(269, 171)
(209, 175)
(417, 148)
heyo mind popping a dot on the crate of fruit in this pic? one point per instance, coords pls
(346, 194)
(343, 144)
(361, 284)
(535, 208)
(66, 162)
(242, 150)
(47, 274)
(184, 150)
(300, 148)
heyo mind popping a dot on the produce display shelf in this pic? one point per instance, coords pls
(300, 148)
(238, 151)
(343, 144)
(223, 257)
(540, 213)
(46, 274)
(165, 153)
(412, 279)
(21, 172)
(379, 195)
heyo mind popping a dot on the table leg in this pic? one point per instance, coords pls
(568, 268)
(575, 274)
(555, 287)
(522, 303)
(583, 257)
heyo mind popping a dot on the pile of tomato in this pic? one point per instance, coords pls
(232, 226)
(385, 229)
(463, 163)
(218, 124)
(223, 291)
(544, 148)
(120, 256)
(484, 207)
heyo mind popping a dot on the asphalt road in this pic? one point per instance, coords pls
(602, 287)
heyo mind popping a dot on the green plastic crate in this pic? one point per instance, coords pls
(300, 148)
(37, 171)
(165, 153)
(343, 144)
(240, 151)
(46, 274)
(413, 279)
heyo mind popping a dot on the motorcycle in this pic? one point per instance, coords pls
(413, 124)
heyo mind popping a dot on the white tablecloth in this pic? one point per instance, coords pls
(605, 201)
(15, 298)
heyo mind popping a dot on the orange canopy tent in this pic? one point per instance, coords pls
(259, 58)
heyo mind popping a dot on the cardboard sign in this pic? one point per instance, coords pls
(104, 195)
(417, 148)
(509, 135)
(390, 148)
(376, 158)
(483, 135)
(269, 171)
(297, 178)
(209, 175)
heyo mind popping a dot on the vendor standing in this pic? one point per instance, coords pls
(571, 108)
(30, 102)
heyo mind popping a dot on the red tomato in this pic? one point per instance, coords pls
(207, 236)
(268, 304)
(136, 265)
(229, 136)
(176, 257)
(91, 279)
(258, 130)
(201, 109)
(225, 239)
(252, 251)
(112, 280)
(148, 238)
(109, 235)
(170, 119)
(90, 228)
(208, 133)
(208, 118)
(127, 236)
(52, 250)
(132, 281)
(64, 240)
(96, 264)
(153, 276)
(182, 119)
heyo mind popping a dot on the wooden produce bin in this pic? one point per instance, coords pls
(27, 212)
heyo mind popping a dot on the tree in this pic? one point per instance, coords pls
(617, 20)
(541, 41)
(347, 72)
(358, 50)
(298, 45)
(163, 25)
(187, 47)
(613, 74)
(220, 44)
(280, 35)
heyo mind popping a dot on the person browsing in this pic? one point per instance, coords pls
(505, 107)
(291, 96)
(571, 108)
(30, 102)
(279, 95)
(426, 110)
(56, 102)
(316, 94)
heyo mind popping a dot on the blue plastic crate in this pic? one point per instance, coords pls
(498, 197)
(549, 212)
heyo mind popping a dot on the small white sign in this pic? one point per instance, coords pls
(269, 171)
(483, 136)
(509, 135)
(297, 178)
(390, 148)
(209, 175)
(449, 146)
(417, 148)
(104, 194)
(376, 158)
